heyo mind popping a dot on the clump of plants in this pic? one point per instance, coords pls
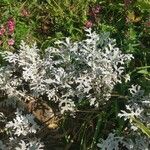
(70, 74)
(86, 91)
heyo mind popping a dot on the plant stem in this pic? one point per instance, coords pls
(139, 68)
(96, 131)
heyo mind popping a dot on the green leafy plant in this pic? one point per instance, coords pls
(143, 4)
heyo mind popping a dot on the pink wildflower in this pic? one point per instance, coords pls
(11, 42)
(2, 30)
(88, 24)
(11, 26)
(96, 9)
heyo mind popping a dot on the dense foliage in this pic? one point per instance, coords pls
(87, 61)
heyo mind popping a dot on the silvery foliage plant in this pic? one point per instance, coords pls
(112, 142)
(137, 108)
(67, 73)
(132, 141)
(20, 132)
(22, 124)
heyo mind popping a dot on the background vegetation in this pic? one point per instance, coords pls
(45, 21)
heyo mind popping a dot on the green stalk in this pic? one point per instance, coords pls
(139, 68)
(96, 131)
(141, 126)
